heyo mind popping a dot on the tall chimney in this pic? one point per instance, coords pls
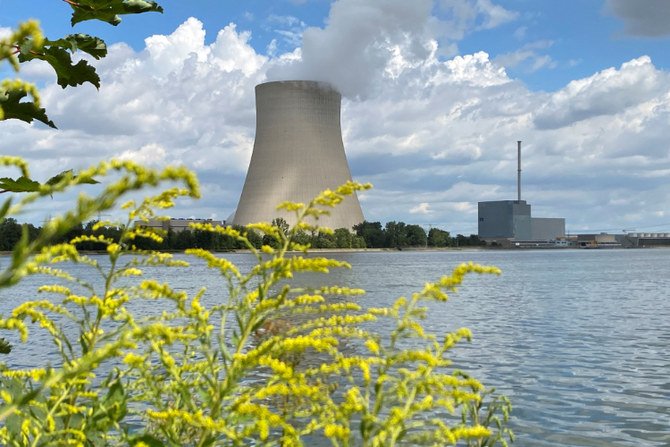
(298, 152)
(518, 172)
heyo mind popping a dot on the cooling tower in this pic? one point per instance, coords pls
(298, 152)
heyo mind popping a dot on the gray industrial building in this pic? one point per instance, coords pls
(298, 152)
(547, 228)
(177, 225)
(503, 221)
(511, 220)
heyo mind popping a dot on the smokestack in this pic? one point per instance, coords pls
(298, 152)
(518, 172)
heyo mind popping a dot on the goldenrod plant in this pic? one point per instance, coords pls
(272, 362)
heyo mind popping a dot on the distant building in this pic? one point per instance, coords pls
(504, 219)
(511, 220)
(298, 153)
(507, 221)
(600, 240)
(178, 225)
(547, 228)
(626, 240)
(649, 239)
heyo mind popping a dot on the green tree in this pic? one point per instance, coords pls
(324, 239)
(416, 236)
(203, 239)
(255, 239)
(302, 238)
(10, 234)
(343, 238)
(372, 233)
(183, 240)
(438, 238)
(395, 234)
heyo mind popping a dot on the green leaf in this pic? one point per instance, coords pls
(58, 177)
(21, 184)
(112, 409)
(4, 209)
(83, 342)
(70, 173)
(14, 108)
(110, 10)
(67, 72)
(115, 402)
(5, 347)
(92, 45)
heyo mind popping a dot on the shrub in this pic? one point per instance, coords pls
(268, 365)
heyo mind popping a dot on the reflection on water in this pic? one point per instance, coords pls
(578, 339)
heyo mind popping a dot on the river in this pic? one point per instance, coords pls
(578, 339)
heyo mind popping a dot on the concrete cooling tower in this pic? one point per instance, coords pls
(298, 152)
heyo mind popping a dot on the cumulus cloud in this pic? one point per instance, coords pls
(605, 93)
(433, 134)
(179, 101)
(643, 18)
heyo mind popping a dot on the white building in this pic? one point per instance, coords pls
(177, 225)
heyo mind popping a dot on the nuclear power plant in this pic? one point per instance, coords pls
(504, 221)
(298, 152)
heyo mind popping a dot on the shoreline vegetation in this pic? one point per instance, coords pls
(366, 235)
(381, 250)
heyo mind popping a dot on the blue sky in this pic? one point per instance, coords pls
(580, 37)
(436, 95)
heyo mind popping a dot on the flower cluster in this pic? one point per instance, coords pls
(269, 364)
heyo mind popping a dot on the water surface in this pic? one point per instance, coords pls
(578, 339)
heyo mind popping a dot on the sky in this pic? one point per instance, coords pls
(436, 94)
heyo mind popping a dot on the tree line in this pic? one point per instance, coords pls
(401, 235)
(396, 235)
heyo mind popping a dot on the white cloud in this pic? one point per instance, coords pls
(605, 93)
(494, 15)
(289, 27)
(463, 16)
(149, 154)
(434, 135)
(421, 208)
(529, 57)
(169, 52)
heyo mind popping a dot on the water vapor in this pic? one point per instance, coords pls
(361, 43)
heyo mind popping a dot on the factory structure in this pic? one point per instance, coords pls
(177, 225)
(298, 152)
(510, 222)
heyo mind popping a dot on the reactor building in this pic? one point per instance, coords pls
(298, 152)
(504, 221)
